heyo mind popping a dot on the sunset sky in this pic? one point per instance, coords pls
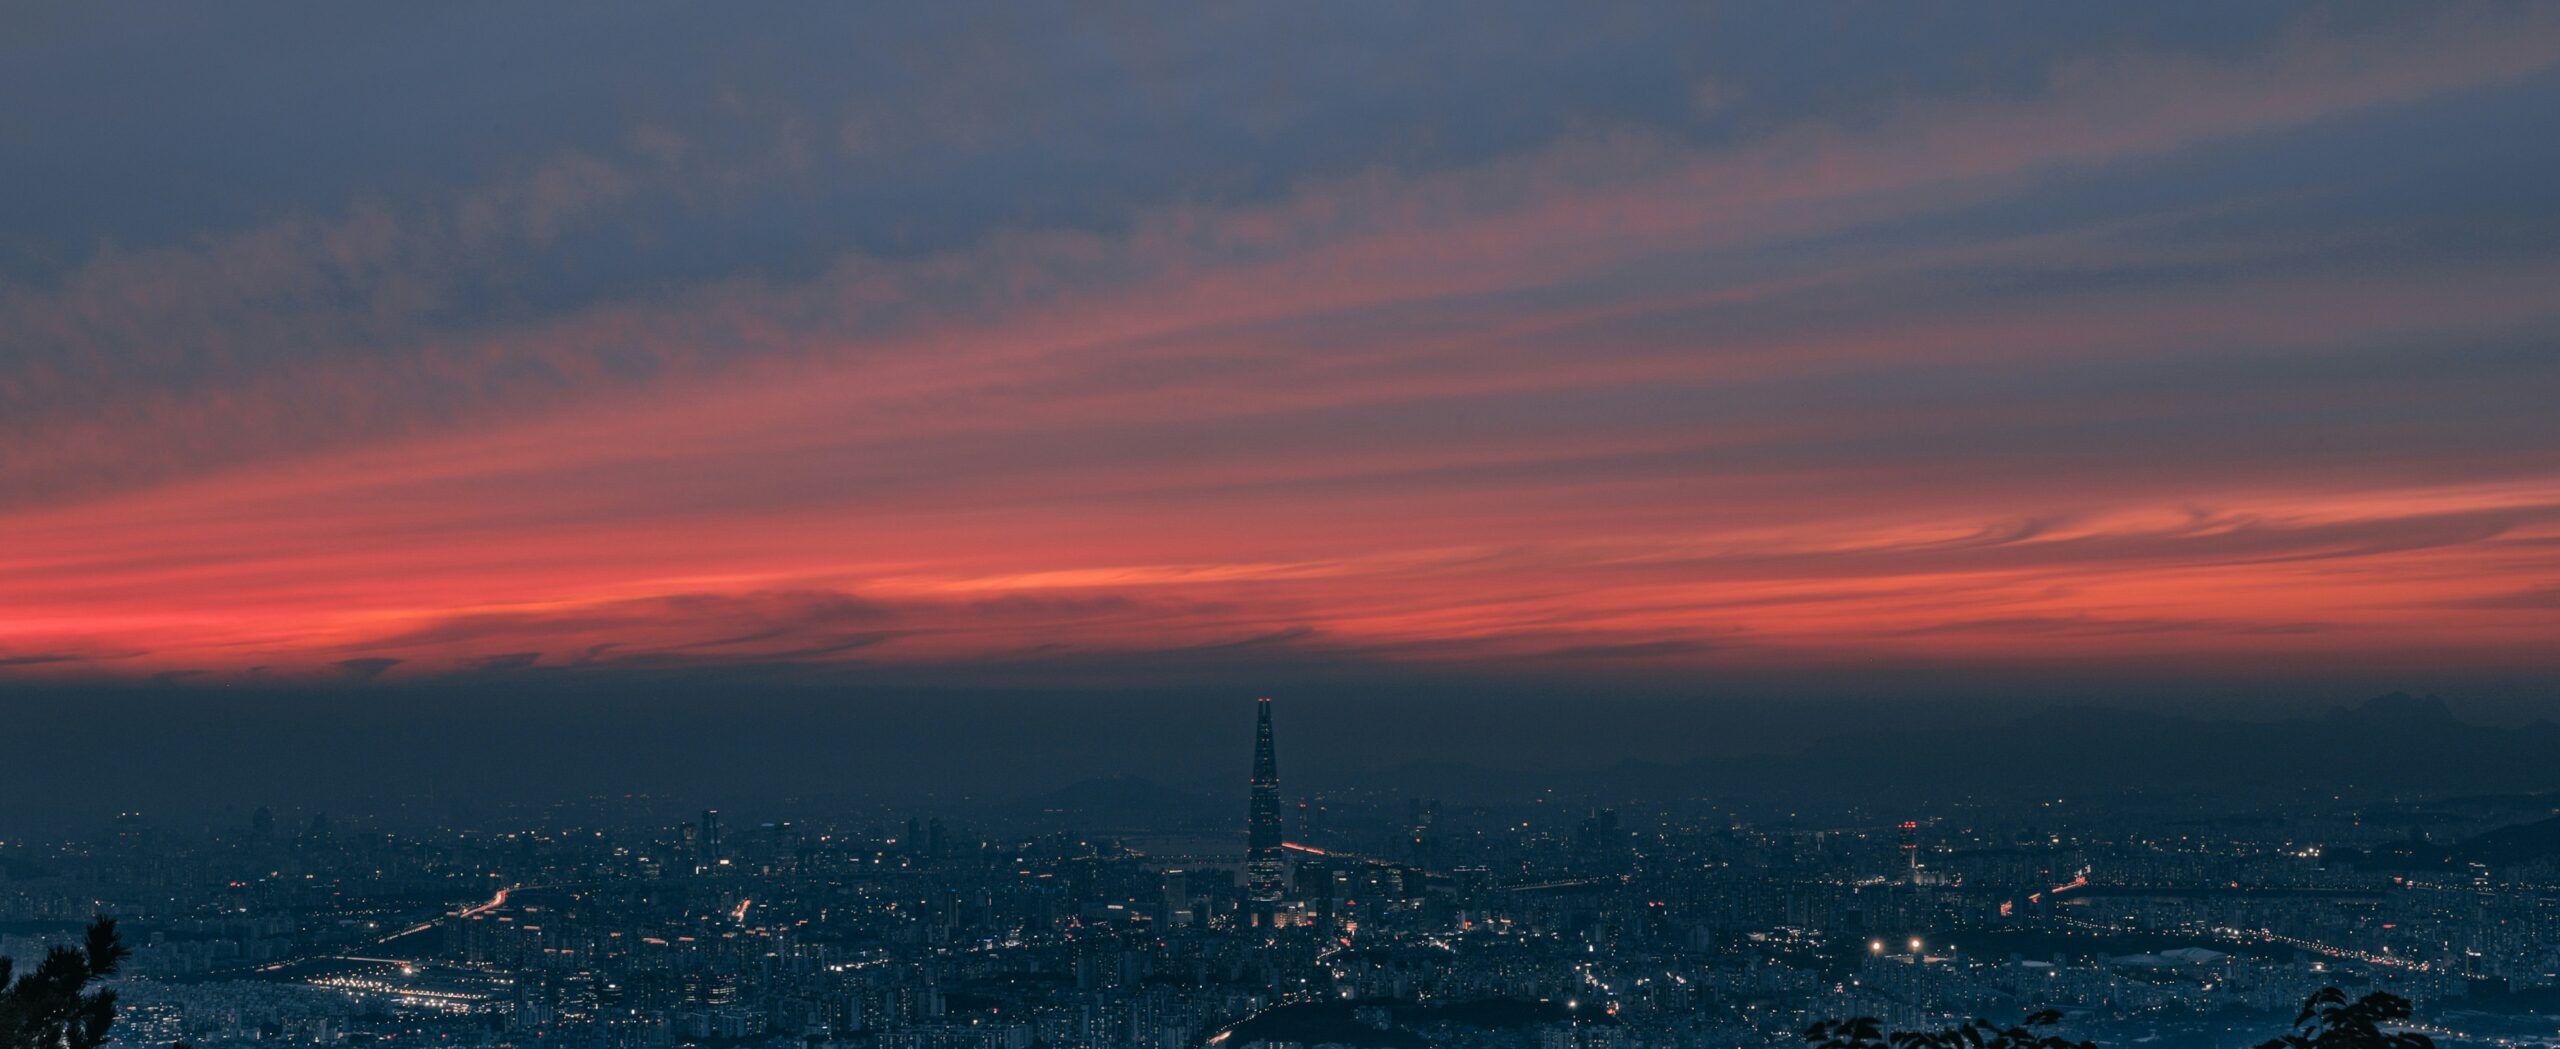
(1030, 343)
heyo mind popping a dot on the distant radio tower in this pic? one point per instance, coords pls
(1911, 848)
(1264, 870)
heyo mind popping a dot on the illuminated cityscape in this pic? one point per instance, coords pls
(1822, 524)
(1555, 918)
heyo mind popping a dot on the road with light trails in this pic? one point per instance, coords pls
(495, 901)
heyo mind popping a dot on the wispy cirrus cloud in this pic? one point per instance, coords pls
(1975, 367)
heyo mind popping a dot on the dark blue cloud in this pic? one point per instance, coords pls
(914, 128)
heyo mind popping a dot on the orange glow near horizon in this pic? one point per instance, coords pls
(222, 579)
(1614, 404)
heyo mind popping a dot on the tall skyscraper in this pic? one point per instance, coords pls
(1264, 871)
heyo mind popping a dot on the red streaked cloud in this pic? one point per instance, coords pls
(1621, 401)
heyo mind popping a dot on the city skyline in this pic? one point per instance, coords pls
(1810, 525)
(1567, 920)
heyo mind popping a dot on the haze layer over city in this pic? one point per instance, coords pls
(1153, 526)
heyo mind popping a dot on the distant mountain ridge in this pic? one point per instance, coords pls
(2397, 744)
(2390, 744)
(1124, 800)
(2534, 842)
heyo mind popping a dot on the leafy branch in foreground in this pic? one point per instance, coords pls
(1867, 1033)
(2328, 1021)
(53, 1007)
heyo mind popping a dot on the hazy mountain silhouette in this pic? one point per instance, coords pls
(2392, 743)
(2535, 842)
(2396, 743)
(1113, 801)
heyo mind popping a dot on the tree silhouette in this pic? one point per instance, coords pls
(1867, 1033)
(2330, 1021)
(53, 1007)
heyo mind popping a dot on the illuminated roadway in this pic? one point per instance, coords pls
(493, 903)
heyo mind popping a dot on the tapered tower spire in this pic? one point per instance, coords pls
(1264, 870)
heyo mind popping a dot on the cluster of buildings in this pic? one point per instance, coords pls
(1354, 919)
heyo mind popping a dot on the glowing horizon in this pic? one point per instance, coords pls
(2154, 360)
